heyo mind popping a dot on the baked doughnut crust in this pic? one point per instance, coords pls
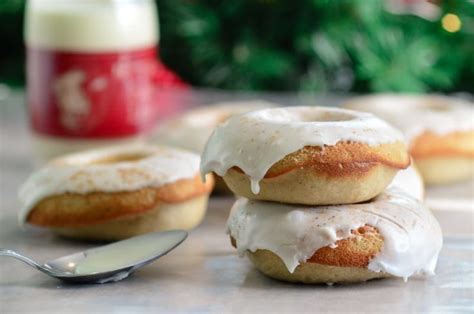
(74, 210)
(356, 251)
(443, 159)
(344, 173)
(347, 262)
(455, 144)
(164, 216)
(310, 273)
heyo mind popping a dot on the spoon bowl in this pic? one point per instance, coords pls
(112, 262)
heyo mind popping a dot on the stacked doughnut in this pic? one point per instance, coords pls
(314, 206)
(192, 129)
(440, 131)
(115, 193)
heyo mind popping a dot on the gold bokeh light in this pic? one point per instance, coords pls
(451, 23)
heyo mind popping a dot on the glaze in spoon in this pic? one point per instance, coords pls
(112, 262)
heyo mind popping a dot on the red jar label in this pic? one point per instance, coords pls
(92, 95)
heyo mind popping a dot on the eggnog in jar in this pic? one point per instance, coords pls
(91, 72)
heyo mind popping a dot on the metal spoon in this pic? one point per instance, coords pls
(112, 262)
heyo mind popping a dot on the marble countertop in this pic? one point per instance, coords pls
(204, 274)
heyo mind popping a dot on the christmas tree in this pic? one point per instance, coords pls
(309, 45)
(319, 45)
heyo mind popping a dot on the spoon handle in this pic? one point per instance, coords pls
(29, 261)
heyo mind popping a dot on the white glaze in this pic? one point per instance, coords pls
(77, 173)
(409, 180)
(412, 236)
(192, 129)
(257, 140)
(414, 115)
(139, 249)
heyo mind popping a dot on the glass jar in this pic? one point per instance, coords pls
(91, 71)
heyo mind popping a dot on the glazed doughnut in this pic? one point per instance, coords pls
(115, 193)
(440, 131)
(192, 129)
(393, 235)
(306, 155)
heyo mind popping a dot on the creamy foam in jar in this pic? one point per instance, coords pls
(91, 72)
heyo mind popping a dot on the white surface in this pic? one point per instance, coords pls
(453, 206)
(204, 274)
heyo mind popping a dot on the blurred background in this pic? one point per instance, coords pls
(308, 45)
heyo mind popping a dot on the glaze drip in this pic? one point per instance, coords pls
(409, 181)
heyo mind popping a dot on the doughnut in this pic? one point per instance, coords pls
(115, 193)
(393, 235)
(440, 132)
(192, 129)
(306, 155)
